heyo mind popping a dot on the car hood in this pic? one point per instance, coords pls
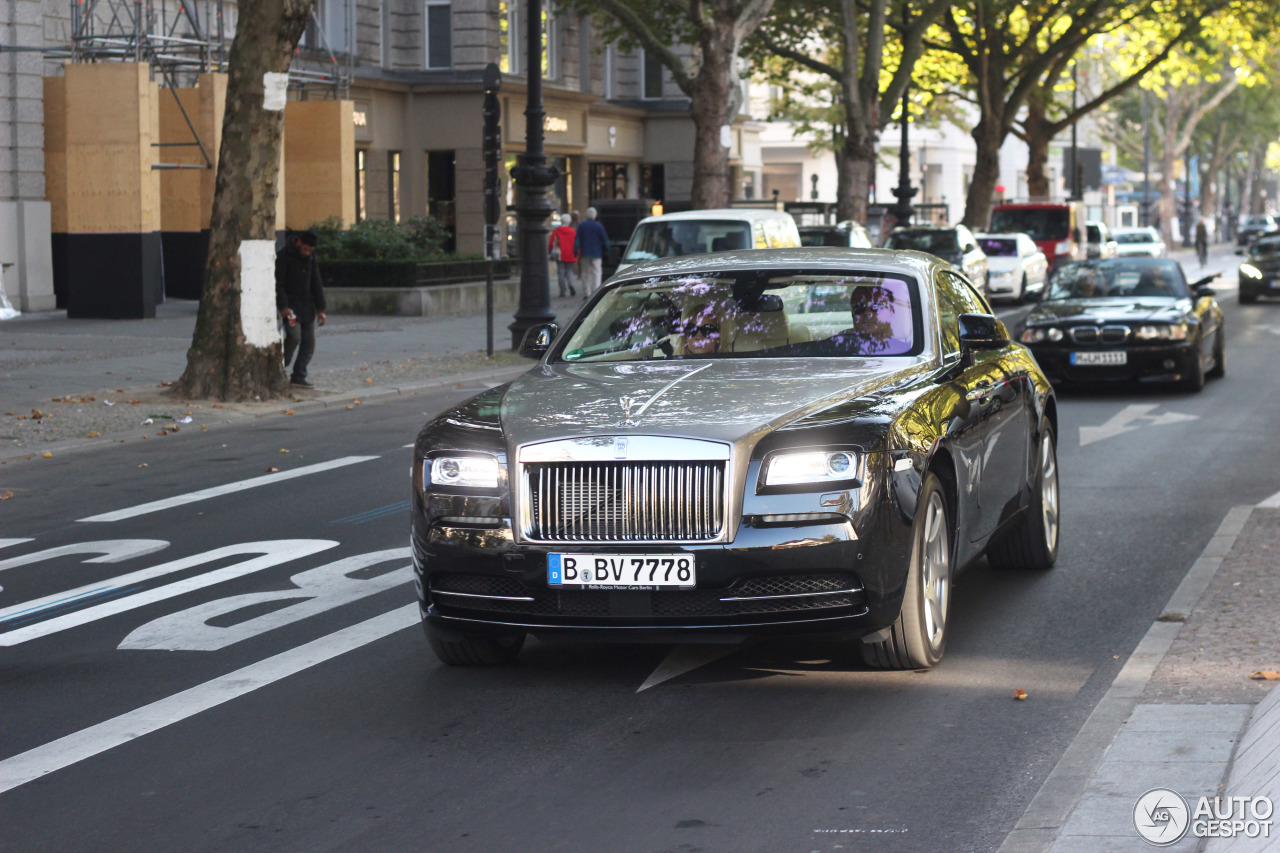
(734, 401)
(1110, 310)
(1002, 264)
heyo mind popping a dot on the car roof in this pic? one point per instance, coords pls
(748, 214)
(903, 262)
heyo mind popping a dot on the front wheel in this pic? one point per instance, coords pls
(1033, 544)
(917, 639)
(1219, 356)
(1194, 379)
(474, 651)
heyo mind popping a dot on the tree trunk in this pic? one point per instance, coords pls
(989, 136)
(1257, 159)
(856, 162)
(709, 108)
(1168, 188)
(1040, 132)
(222, 362)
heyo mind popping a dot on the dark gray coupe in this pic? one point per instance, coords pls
(804, 441)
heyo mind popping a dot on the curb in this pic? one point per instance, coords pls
(376, 394)
(1048, 811)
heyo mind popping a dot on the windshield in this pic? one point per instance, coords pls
(824, 237)
(1134, 237)
(1258, 222)
(673, 237)
(1095, 233)
(999, 247)
(750, 315)
(1266, 246)
(1120, 278)
(1041, 223)
(941, 243)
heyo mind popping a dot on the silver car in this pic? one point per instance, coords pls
(1139, 243)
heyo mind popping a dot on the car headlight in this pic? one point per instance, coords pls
(810, 466)
(1251, 271)
(1036, 334)
(1171, 332)
(468, 472)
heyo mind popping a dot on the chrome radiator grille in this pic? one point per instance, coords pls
(624, 501)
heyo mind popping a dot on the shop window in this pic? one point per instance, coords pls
(653, 181)
(608, 180)
(509, 36)
(362, 184)
(441, 193)
(652, 76)
(437, 20)
(393, 185)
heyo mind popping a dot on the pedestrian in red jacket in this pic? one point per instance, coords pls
(561, 248)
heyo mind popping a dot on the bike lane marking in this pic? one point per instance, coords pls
(86, 743)
(229, 488)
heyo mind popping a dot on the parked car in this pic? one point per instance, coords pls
(1016, 268)
(1254, 226)
(786, 441)
(619, 218)
(1260, 273)
(848, 234)
(694, 232)
(1100, 244)
(1143, 242)
(1056, 226)
(955, 245)
(1128, 319)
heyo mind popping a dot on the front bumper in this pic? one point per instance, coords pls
(1268, 285)
(1165, 361)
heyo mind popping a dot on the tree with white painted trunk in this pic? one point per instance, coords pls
(236, 353)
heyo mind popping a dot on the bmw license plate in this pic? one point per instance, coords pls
(621, 571)
(1097, 359)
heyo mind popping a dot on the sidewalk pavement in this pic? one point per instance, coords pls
(1182, 714)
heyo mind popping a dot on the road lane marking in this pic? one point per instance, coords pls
(1272, 502)
(687, 658)
(1129, 419)
(217, 491)
(272, 553)
(374, 514)
(97, 739)
(112, 551)
(5, 543)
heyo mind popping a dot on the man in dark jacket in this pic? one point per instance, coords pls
(300, 300)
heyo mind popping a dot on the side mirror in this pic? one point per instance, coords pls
(982, 331)
(538, 339)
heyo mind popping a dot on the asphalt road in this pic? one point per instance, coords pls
(188, 696)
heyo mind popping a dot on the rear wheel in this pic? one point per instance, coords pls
(919, 636)
(475, 651)
(1033, 544)
(1219, 356)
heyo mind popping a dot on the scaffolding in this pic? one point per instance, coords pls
(180, 39)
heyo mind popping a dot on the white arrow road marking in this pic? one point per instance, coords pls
(272, 553)
(1130, 418)
(205, 494)
(1272, 502)
(112, 551)
(5, 543)
(1275, 330)
(687, 658)
(94, 740)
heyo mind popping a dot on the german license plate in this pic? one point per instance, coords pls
(1274, 284)
(1096, 359)
(621, 571)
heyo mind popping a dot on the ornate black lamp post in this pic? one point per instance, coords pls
(902, 211)
(532, 175)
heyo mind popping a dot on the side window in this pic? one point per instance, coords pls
(950, 307)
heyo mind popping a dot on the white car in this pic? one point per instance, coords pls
(1139, 242)
(1017, 269)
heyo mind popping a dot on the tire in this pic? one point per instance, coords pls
(1033, 544)
(1219, 357)
(475, 651)
(1194, 380)
(1248, 298)
(918, 638)
(1024, 295)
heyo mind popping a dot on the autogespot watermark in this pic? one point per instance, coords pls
(1162, 817)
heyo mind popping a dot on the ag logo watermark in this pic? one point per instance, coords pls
(1162, 817)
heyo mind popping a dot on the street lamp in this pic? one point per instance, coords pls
(902, 211)
(1075, 148)
(532, 175)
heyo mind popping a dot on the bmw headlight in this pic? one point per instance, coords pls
(467, 472)
(1162, 332)
(810, 466)
(1036, 334)
(1251, 271)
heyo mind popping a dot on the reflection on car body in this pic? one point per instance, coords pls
(1128, 319)
(859, 430)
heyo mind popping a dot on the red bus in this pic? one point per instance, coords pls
(1056, 226)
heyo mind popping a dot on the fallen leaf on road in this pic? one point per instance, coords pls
(288, 411)
(368, 380)
(36, 414)
(5, 495)
(1266, 675)
(134, 402)
(217, 405)
(93, 434)
(143, 465)
(1020, 695)
(272, 470)
(282, 450)
(350, 407)
(47, 455)
(356, 401)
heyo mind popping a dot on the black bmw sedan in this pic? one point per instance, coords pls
(1260, 273)
(1128, 319)
(803, 441)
